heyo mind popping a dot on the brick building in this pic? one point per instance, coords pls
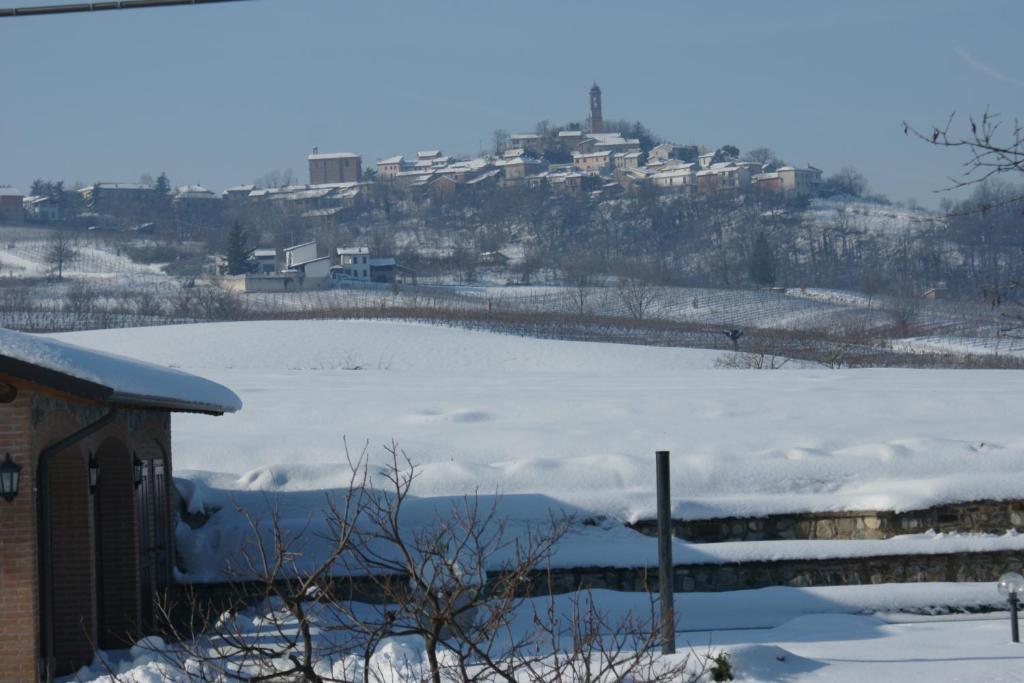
(88, 532)
(12, 206)
(341, 167)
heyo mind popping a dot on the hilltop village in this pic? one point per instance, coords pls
(575, 159)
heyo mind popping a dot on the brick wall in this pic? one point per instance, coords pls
(81, 557)
(19, 625)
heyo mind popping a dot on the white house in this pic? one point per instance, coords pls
(300, 253)
(353, 264)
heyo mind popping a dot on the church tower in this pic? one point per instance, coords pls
(596, 121)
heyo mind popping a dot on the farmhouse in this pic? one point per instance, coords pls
(85, 498)
(12, 209)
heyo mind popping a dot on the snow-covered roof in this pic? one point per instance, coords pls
(524, 136)
(299, 246)
(353, 251)
(428, 154)
(241, 188)
(570, 133)
(483, 176)
(336, 155)
(264, 253)
(117, 186)
(392, 160)
(9, 192)
(321, 213)
(109, 378)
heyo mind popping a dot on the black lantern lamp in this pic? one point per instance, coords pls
(10, 476)
(94, 472)
(136, 470)
(1010, 584)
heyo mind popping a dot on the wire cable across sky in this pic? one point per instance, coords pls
(69, 8)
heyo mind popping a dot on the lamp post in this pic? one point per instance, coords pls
(1010, 584)
(10, 477)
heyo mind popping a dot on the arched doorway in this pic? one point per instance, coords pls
(117, 571)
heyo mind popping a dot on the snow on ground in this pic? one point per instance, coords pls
(28, 258)
(578, 422)
(571, 426)
(851, 633)
(871, 217)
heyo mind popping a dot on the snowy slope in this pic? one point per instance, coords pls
(578, 422)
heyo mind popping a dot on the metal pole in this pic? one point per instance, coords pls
(1014, 627)
(665, 588)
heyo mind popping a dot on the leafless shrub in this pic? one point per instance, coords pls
(751, 361)
(454, 576)
(637, 295)
(209, 303)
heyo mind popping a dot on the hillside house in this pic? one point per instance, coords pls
(592, 162)
(518, 167)
(353, 264)
(314, 270)
(531, 142)
(680, 176)
(300, 253)
(339, 167)
(570, 140)
(125, 200)
(388, 168)
(626, 160)
(12, 206)
(263, 260)
(442, 186)
(611, 142)
(86, 500)
(43, 209)
(799, 181)
(238, 193)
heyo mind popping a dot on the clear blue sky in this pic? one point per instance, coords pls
(220, 95)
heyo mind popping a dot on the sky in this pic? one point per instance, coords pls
(223, 94)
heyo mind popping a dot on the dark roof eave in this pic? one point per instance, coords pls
(172, 405)
(100, 393)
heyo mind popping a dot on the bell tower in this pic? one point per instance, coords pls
(596, 121)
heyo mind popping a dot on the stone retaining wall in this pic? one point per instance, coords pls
(972, 566)
(983, 566)
(982, 516)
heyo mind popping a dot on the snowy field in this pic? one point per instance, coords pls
(579, 422)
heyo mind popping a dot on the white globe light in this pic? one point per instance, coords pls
(1011, 582)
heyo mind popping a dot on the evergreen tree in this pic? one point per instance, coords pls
(163, 185)
(762, 262)
(238, 253)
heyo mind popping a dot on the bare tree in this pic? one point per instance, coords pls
(60, 252)
(454, 575)
(638, 295)
(993, 149)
